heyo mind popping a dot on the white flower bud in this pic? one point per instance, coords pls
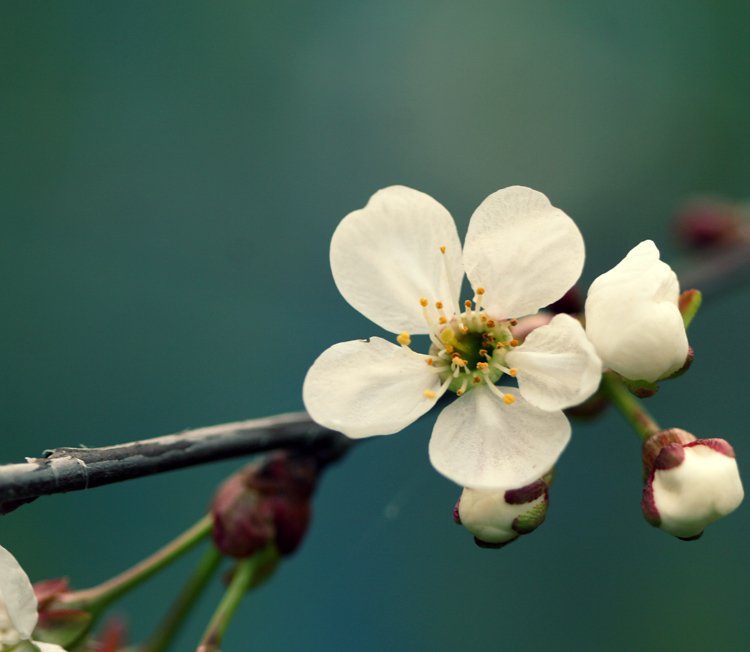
(633, 319)
(691, 484)
(499, 517)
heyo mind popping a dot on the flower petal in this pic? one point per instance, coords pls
(48, 647)
(633, 319)
(523, 251)
(557, 365)
(386, 256)
(18, 595)
(364, 388)
(481, 443)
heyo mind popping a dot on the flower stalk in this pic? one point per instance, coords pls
(247, 573)
(636, 415)
(98, 598)
(204, 571)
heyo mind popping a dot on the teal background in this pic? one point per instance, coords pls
(171, 174)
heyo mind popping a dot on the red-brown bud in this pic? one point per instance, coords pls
(266, 502)
(705, 223)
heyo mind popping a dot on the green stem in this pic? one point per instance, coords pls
(96, 599)
(638, 417)
(166, 631)
(246, 572)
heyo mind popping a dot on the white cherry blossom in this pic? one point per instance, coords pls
(399, 262)
(18, 607)
(633, 319)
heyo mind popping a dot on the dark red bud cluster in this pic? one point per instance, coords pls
(266, 502)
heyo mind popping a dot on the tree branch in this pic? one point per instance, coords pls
(73, 469)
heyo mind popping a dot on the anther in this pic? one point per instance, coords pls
(442, 249)
(439, 305)
(480, 291)
(423, 302)
(513, 372)
(467, 304)
(483, 366)
(490, 323)
(514, 342)
(442, 320)
(429, 361)
(428, 393)
(509, 399)
(403, 339)
(513, 322)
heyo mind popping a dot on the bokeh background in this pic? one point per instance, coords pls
(171, 176)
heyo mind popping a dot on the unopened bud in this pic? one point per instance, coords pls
(266, 502)
(690, 483)
(570, 303)
(57, 622)
(496, 518)
(705, 223)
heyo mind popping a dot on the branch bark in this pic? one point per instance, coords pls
(73, 469)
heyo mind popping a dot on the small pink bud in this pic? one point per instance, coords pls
(690, 483)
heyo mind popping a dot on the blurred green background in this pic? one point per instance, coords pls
(171, 174)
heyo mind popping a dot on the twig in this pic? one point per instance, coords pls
(73, 469)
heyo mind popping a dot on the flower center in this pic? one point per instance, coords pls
(468, 348)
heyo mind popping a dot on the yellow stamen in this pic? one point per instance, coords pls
(403, 339)
(514, 342)
(483, 366)
(442, 249)
(429, 361)
(439, 305)
(467, 304)
(480, 291)
(428, 393)
(442, 320)
(509, 399)
(513, 372)
(423, 302)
